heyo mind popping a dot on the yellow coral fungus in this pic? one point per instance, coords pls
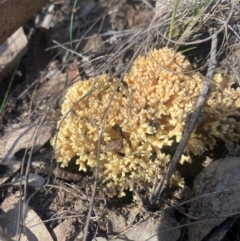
(142, 120)
(220, 115)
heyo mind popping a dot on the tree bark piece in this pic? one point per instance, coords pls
(14, 13)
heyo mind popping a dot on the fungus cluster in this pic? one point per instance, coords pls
(141, 119)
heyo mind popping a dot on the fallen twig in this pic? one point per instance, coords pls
(97, 168)
(157, 192)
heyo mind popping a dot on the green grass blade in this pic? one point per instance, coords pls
(71, 24)
(173, 19)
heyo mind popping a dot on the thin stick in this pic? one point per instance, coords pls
(94, 184)
(104, 119)
(157, 192)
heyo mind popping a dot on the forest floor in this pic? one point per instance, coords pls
(68, 43)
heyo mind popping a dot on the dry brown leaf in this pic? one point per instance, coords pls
(33, 229)
(52, 87)
(92, 44)
(24, 138)
(114, 145)
(11, 166)
(62, 230)
(218, 190)
(116, 223)
(73, 72)
(72, 75)
(13, 14)
(11, 51)
(153, 229)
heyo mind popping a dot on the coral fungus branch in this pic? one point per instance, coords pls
(157, 192)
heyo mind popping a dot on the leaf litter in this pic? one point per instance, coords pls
(105, 44)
